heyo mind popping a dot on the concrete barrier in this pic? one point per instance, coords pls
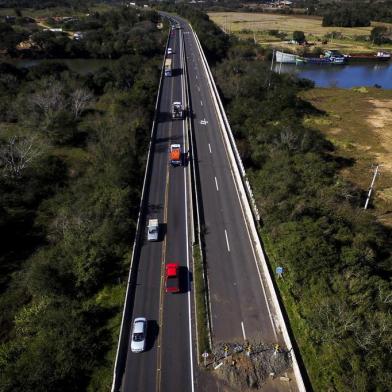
(119, 363)
(246, 199)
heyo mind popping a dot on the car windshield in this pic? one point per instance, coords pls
(138, 337)
(152, 230)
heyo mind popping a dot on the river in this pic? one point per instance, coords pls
(343, 76)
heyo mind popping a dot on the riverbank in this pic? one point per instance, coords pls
(275, 30)
(359, 124)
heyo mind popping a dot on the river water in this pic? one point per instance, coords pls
(343, 76)
(324, 75)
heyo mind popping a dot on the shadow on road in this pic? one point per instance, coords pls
(152, 334)
(184, 282)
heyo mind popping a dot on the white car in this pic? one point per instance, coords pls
(153, 230)
(169, 51)
(139, 332)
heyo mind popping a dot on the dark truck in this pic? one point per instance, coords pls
(177, 111)
(172, 278)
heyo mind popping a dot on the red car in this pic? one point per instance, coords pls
(172, 278)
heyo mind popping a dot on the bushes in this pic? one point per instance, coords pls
(68, 217)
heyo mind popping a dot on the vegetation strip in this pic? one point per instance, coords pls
(69, 208)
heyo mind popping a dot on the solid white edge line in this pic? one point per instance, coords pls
(227, 241)
(186, 233)
(209, 147)
(243, 330)
(216, 184)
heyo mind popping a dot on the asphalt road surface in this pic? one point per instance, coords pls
(166, 365)
(239, 296)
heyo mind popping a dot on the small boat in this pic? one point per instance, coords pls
(285, 58)
(335, 56)
(317, 60)
(338, 60)
(379, 56)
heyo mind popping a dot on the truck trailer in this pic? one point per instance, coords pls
(175, 154)
(168, 67)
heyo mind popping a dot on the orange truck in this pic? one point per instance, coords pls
(175, 154)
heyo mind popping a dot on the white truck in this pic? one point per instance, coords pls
(152, 230)
(177, 111)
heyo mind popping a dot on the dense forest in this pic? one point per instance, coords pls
(348, 13)
(110, 34)
(337, 257)
(72, 157)
(40, 4)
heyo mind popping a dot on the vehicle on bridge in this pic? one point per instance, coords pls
(175, 154)
(177, 111)
(169, 51)
(168, 67)
(139, 333)
(152, 230)
(172, 278)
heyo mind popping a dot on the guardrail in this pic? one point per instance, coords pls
(119, 363)
(246, 198)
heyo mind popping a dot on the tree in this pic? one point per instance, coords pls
(380, 35)
(299, 36)
(18, 153)
(80, 98)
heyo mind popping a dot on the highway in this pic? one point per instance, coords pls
(240, 301)
(167, 364)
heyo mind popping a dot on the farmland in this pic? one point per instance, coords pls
(263, 26)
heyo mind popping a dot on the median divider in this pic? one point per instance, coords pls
(122, 347)
(201, 300)
(250, 211)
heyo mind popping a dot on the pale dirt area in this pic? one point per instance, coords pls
(381, 122)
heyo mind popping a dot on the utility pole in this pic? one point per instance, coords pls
(371, 187)
(280, 64)
(272, 66)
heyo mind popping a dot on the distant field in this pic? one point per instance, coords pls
(54, 11)
(245, 24)
(359, 123)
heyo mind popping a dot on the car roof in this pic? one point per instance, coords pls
(175, 146)
(171, 269)
(138, 324)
